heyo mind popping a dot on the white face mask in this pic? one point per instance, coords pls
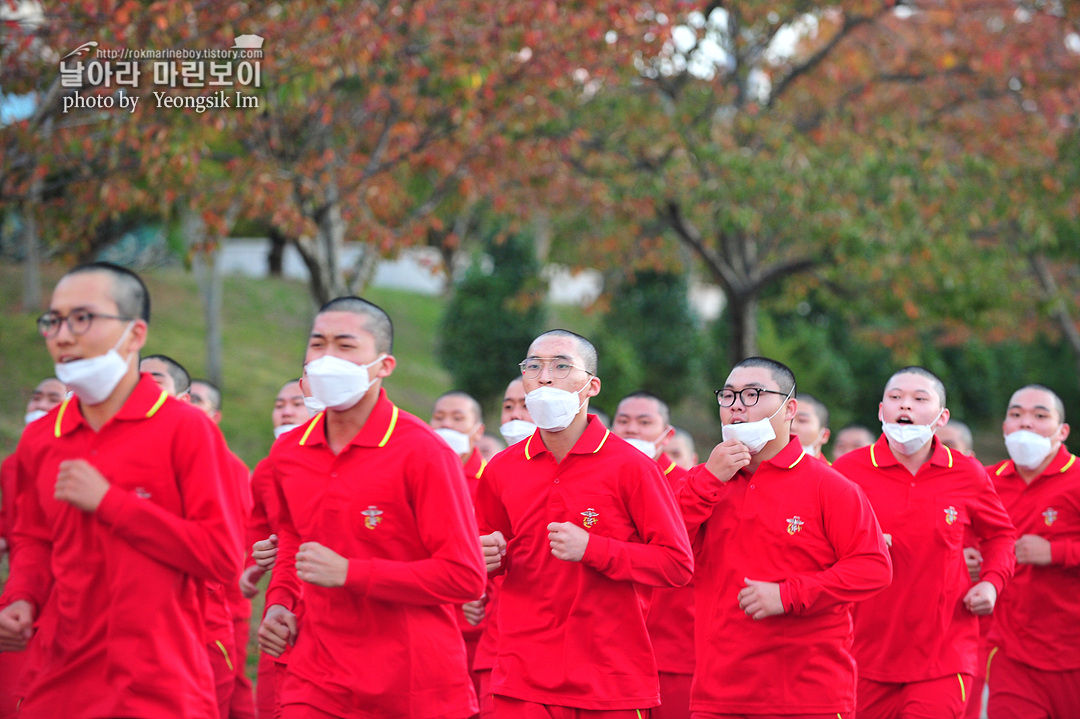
(34, 415)
(1027, 449)
(283, 428)
(336, 383)
(813, 450)
(313, 405)
(516, 430)
(458, 441)
(644, 446)
(94, 379)
(755, 435)
(910, 438)
(553, 409)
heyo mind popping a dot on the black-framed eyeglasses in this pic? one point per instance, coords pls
(78, 322)
(748, 395)
(559, 367)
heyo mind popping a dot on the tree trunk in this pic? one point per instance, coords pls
(207, 267)
(275, 259)
(743, 314)
(31, 300)
(322, 253)
(1059, 310)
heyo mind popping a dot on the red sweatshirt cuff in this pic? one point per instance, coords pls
(358, 578)
(786, 599)
(705, 484)
(597, 552)
(112, 505)
(996, 579)
(277, 595)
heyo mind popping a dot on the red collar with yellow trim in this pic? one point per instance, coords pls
(376, 431)
(1063, 461)
(590, 441)
(143, 402)
(881, 454)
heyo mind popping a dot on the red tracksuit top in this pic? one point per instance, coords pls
(122, 632)
(573, 633)
(395, 503)
(1037, 618)
(671, 610)
(794, 521)
(918, 628)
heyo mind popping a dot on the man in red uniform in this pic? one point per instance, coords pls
(784, 545)
(125, 512)
(579, 520)
(1034, 667)
(916, 642)
(644, 420)
(48, 394)
(515, 424)
(218, 607)
(289, 413)
(204, 395)
(378, 534)
(458, 419)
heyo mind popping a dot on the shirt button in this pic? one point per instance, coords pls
(751, 486)
(912, 484)
(333, 474)
(556, 480)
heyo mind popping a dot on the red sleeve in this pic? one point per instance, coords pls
(205, 542)
(259, 525)
(863, 566)
(1065, 552)
(284, 586)
(454, 571)
(698, 496)
(663, 557)
(491, 513)
(997, 536)
(30, 577)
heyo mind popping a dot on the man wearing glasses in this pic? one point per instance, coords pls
(124, 513)
(577, 519)
(784, 546)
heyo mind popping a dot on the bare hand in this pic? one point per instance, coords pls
(322, 566)
(264, 552)
(474, 611)
(760, 599)
(1032, 549)
(973, 559)
(249, 581)
(3, 547)
(16, 626)
(981, 598)
(727, 458)
(80, 485)
(277, 631)
(888, 539)
(494, 546)
(568, 541)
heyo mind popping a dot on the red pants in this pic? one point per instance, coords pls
(941, 698)
(221, 662)
(11, 671)
(975, 698)
(487, 702)
(242, 705)
(1020, 691)
(268, 682)
(674, 696)
(507, 708)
